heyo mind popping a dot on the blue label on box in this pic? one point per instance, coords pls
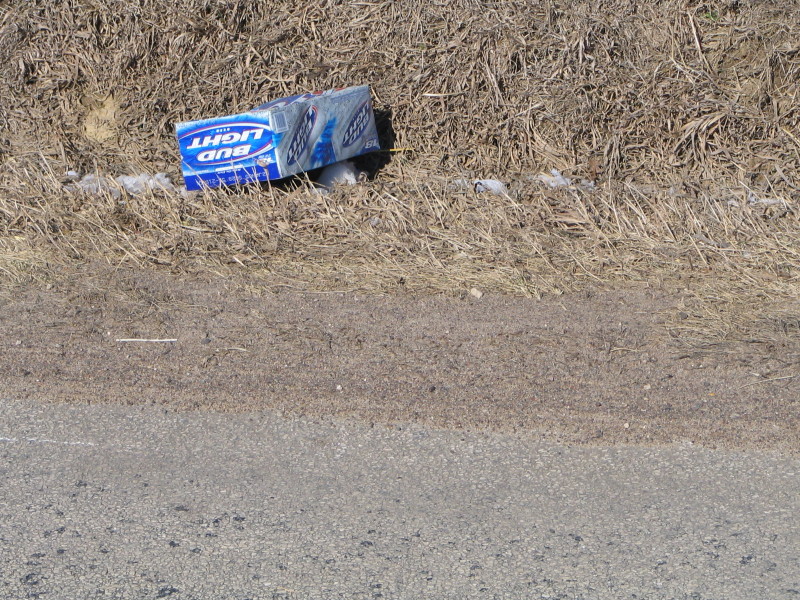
(234, 149)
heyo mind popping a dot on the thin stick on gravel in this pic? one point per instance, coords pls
(768, 380)
(167, 340)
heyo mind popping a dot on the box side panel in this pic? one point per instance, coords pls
(357, 134)
(326, 128)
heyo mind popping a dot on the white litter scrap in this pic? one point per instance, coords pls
(93, 185)
(490, 186)
(753, 200)
(340, 173)
(480, 186)
(135, 185)
(556, 180)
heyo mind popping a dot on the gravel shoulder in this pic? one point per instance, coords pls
(595, 368)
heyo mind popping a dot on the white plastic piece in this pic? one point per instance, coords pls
(340, 173)
(491, 186)
(752, 200)
(136, 185)
(555, 179)
(94, 185)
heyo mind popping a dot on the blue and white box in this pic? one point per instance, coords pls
(278, 139)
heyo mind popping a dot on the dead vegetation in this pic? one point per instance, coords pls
(684, 115)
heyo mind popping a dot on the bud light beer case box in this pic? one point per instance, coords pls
(278, 139)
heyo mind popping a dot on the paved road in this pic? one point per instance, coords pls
(115, 502)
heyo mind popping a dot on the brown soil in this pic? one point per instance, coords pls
(599, 367)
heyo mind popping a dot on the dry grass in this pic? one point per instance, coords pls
(681, 113)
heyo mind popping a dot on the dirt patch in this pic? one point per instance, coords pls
(594, 368)
(100, 124)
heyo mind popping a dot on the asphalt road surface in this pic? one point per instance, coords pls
(121, 502)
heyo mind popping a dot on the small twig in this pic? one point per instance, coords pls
(791, 135)
(697, 43)
(146, 340)
(444, 95)
(768, 380)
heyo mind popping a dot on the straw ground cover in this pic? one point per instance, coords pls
(684, 116)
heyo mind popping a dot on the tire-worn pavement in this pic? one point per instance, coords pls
(122, 502)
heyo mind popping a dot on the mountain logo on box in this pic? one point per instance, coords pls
(225, 144)
(358, 124)
(302, 135)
